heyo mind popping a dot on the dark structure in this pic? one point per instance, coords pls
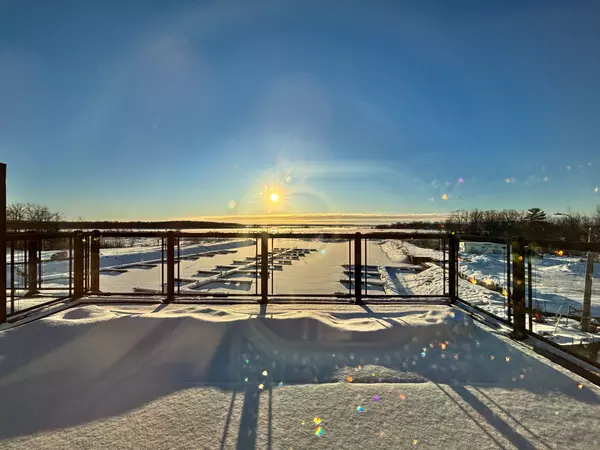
(3, 242)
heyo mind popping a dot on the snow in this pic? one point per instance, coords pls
(557, 283)
(399, 251)
(246, 376)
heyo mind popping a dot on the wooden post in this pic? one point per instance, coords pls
(32, 267)
(443, 242)
(78, 266)
(452, 267)
(95, 262)
(587, 292)
(508, 282)
(170, 267)
(264, 268)
(358, 269)
(3, 243)
(529, 289)
(518, 291)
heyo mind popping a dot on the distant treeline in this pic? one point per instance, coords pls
(108, 225)
(33, 216)
(533, 224)
(416, 225)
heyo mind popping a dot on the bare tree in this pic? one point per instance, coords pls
(41, 213)
(16, 211)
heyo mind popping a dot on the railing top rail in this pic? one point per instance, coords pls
(564, 245)
(39, 235)
(227, 234)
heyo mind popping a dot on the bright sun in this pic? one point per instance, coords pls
(274, 197)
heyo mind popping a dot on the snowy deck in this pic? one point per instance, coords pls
(242, 376)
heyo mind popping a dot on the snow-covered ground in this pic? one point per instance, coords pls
(398, 250)
(246, 376)
(557, 282)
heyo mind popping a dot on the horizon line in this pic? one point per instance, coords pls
(320, 218)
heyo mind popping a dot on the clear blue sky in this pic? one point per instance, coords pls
(155, 109)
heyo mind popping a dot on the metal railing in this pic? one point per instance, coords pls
(522, 311)
(36, 277)
(34, 271)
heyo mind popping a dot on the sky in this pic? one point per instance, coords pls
(121, 110)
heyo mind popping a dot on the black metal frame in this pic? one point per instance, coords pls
(519, 281)
(84, 269)
(84, 263)
(3, 242)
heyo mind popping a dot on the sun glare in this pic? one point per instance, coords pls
(274, 197)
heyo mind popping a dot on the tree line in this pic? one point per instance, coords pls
(533, 223)
(33, 216)
(31, 212)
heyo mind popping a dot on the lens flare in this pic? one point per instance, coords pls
(274, 196)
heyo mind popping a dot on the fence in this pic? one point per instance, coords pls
(540, 288)
(43, 268)
(176, 265)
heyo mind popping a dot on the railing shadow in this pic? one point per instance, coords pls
(106, 366)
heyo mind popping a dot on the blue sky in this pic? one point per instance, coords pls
(156, 110)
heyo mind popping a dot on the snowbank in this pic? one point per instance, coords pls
(431, 282)
(241, 377)
(400, 250)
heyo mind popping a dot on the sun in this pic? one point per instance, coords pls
(274, 197)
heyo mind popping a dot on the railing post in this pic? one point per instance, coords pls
(264, 268)
(509, 309)
(170, 267)
(358, 269)
(518, 290)
(452, 266)
(587, 292)
(32, 267)
(95, 262)
(3, 243)
(78, 266)
(529, 288)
